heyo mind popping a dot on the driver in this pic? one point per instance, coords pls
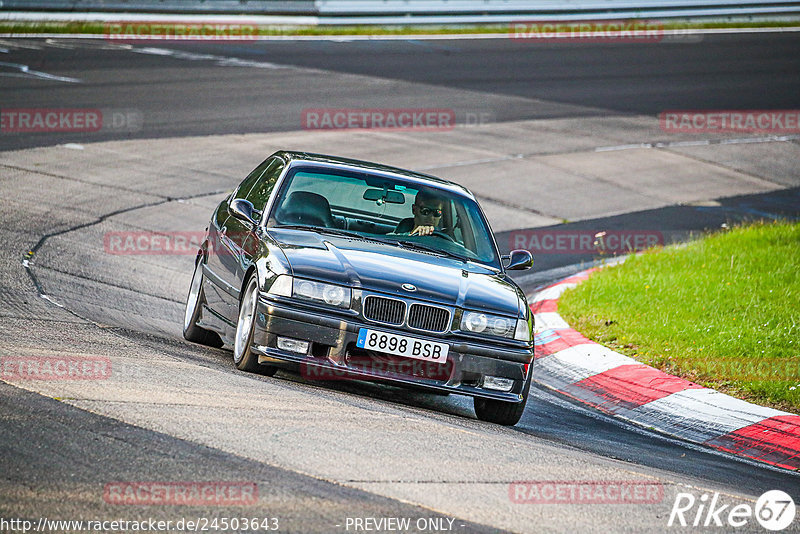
(427, 210)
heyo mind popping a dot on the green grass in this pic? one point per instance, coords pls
(95, 28)
(99, 28)
(723, 311)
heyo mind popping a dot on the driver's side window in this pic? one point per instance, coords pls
(247, 184)
(262, 189)
(258, 185)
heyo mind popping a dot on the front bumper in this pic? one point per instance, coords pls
(333, 355)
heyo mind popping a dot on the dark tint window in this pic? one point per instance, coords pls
(247, 184)
(261, 190)
(258, 185)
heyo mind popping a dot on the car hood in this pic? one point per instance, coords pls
(374, 266)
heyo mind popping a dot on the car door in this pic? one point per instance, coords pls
(226, 235)
(217, 294)
(258, 196)
(237, 238)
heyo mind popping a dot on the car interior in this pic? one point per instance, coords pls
(373, 206)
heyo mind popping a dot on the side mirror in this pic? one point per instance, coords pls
(519, 260)
(243, 210)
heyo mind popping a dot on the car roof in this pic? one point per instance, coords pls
(359, 165)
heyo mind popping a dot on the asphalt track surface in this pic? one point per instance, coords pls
(193, 97)
(56, 456)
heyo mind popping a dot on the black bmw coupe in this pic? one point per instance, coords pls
(350, 269)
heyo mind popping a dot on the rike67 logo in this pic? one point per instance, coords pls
(774, 510)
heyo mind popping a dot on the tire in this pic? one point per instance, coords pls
(243, 356)
(500, 412)
(194, 304)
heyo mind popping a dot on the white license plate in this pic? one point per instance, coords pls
(419, 349)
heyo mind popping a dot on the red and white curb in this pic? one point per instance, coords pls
(579, 368)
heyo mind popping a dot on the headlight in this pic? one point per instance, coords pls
(484, 323)
(328, 293)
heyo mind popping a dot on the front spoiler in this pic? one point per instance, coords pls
(336, 333)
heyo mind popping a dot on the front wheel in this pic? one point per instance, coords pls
(194, 304)
(243, 356)
(501, 412)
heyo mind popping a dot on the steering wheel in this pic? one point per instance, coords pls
(439, 233)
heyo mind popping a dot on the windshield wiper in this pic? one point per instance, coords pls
(426, 248)
(319, 229)
(334, 231)
(337, 231)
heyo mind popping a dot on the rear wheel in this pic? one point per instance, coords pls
(501, 412)
(243, 356)
(194, 304)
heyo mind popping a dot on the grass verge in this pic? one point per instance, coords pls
(101, 28)
(723, 311)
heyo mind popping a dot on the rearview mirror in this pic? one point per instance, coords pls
(392, 197)
(519, 260)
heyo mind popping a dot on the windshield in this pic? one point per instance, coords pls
(389, 209)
